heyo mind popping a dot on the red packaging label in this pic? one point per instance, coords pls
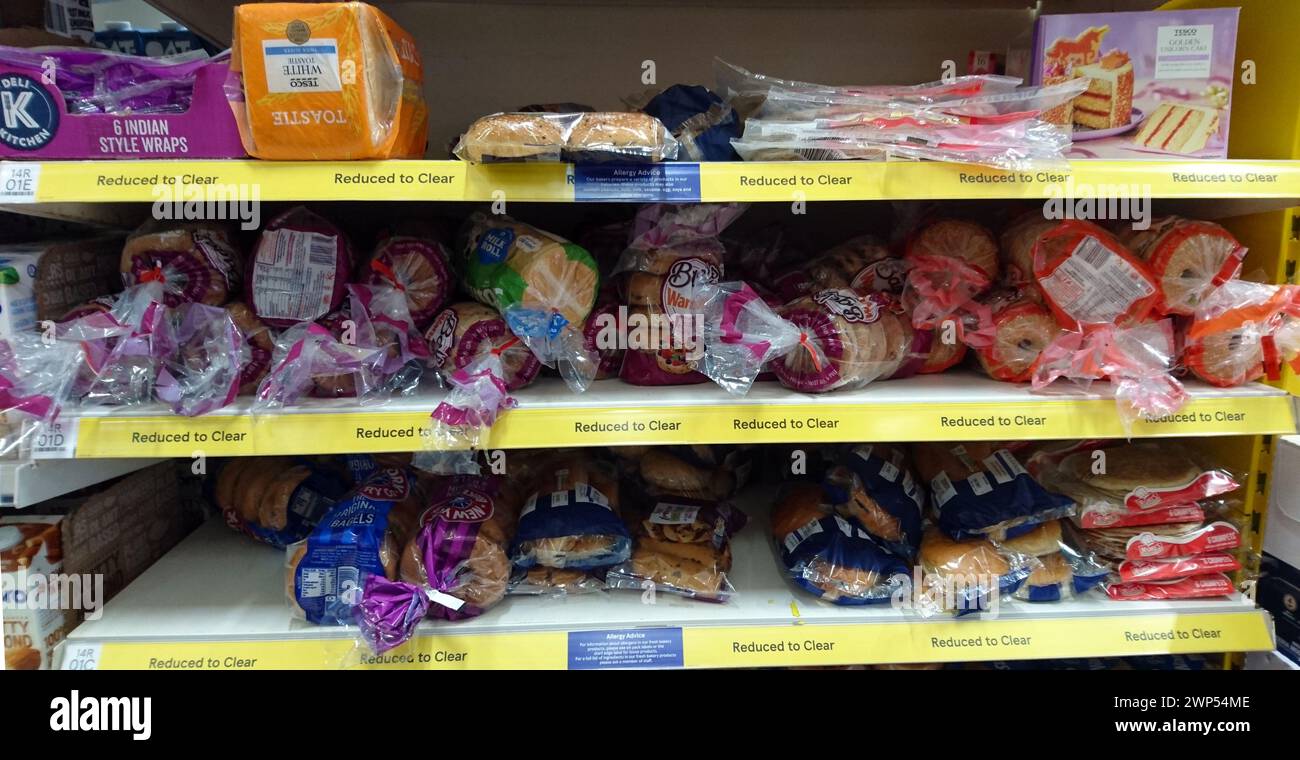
(1183, 588)
(1133, 570)
(1101, 517)
(1215, 537)
(1203, 486)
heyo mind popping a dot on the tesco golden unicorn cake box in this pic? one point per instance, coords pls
(1159, 82)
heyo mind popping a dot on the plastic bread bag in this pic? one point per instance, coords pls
(829, 556)
(37, 378)
(1021, 329)
(596, 338)
(965, 577)
(359, 537)
(950, 263)
(383, 321)
(543, 285)
(573, 520)
(203, 367)
(860, 263)
(1188, 258)
(276, 500)
(478, 395)
(418, 267)
(873, 486)
(1087, 277)
(101, 81)
(1170, 542)
(678, 471)
(299, 269)
(701, 122)
(586, 137)
(674, 253)
(258, 341)
(123, 347)
(1243, 331)
(1153, 570)
(455, 566)
(543, 581)
(831, 339)
(307, 355)
(981, 490)
(467, 332)
(325, 81)
(980, 104)
(1136, 478)
(1194, 587)
(682, 546)
(197, 262)
(1059, 567)
(1137, 361)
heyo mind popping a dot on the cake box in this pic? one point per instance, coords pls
(1160, 82)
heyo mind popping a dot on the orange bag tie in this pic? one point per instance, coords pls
(387, 273)
(505, 346)
(153, 275)
(811, 349)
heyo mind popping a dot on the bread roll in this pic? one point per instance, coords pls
(197, 262)
(261, 345)
(1022, 329)
(1050, 570)
(1188, 258)
(802, 503)
(419, 267)
(512, 137)
(618, 136)
(466, 332)
(966, 241)
(852, 345)
(1042, 540)
(940, 555)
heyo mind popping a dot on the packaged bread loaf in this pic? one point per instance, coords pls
(830, 556)
(861, 263)
(541, 283)
(299, 269)
(873, 486)
(465, 332)
(276, 500)
(361, 536)
(981, 489)
(1088, 277)
(417, 266)
(326, 81)
(966, 576)
(678, 471)
(1017, 247)
(1188, 259)
(950, 263)
(600, 337)
(1243, 331)
(573, 518)
(583, 137)
(260, 344)
(675, 252)
(1022, 329)
(681, 546)
(196, 262)
(1059, 568)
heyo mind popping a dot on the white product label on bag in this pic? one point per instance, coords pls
(979, 484)
(792, 540)
(1011, 462)
(1095, 285)
(942, 488)
(673, 514)
(844, 526)
(1184, 52)
(310, 67)
(994, 466)
(294, 274)
(889, 472)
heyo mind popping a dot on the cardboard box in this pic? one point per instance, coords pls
(35, 620)
(40, 281)
(1278, 591)
(1160, 82)
(1282, 521)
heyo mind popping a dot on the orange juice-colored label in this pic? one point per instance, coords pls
(329, 81)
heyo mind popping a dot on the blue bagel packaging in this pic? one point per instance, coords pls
(360, 536)
(275, 500)
(873, 486)
(572, 519)
(980, 490)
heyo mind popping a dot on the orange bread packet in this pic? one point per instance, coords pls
(326, 81)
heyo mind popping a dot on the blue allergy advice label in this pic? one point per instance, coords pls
(628, 648)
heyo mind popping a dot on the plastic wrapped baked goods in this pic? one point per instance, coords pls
(873, 486)
(589, 137)
(541, 283)
(1113, 484)
(276, 500)
(1243, 331)
(260, 343)
(602, 325)
(981, 489)
(454, 567)
(831, 557)
(1059, 569)
(950, 263)
(417, 266)
(299, 270)
(555, 582)
(573, 519)
(1150, 570)
(196, 262)
(968, 576)
(1195, 587)
(675, 252)
(1188, 259)
(861, 263)
(673, 471)
(1017, 244)
(361, 536)
(1022, 329)
(1088, 277)
(464, 333)
(682, 546)
(326, 81)
(945, 353)
(202, 356)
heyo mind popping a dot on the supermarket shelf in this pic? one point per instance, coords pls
(26, 483)
(952, 406)
(109, 181)
(217, 602)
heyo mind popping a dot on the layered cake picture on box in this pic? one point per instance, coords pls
(1159, 82)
